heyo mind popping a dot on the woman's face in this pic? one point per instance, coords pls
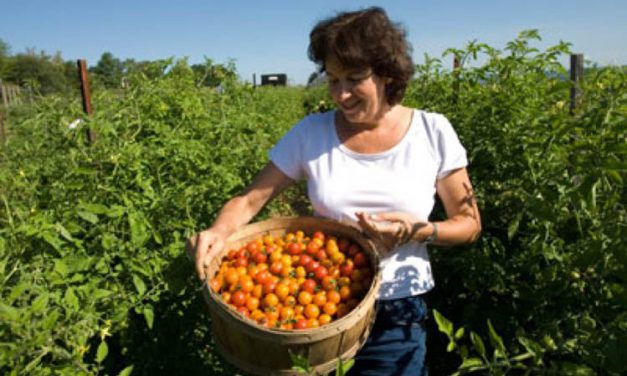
(358, 93)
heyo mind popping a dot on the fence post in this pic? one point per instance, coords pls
(576, 77)
(4, 116)
(456, 68)
(3, 132)
(82, 73)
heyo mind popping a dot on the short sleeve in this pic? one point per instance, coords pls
(287, 153)
(451, 153)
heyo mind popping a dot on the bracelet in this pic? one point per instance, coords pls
(434, 235)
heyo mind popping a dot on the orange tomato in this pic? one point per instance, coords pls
(319, 298)
(334, 296)
(282, 291)
(329, 308)
(304, 298)
(290, 301)
(252, 303)
(270, 300)
(345, 292)
(287, 313)
(311, 311)
(324, 319)
(231, 276)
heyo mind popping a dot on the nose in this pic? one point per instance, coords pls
(341, 90)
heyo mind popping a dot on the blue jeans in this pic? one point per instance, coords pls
(397, 343)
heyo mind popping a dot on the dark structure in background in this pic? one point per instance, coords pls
(279, 79)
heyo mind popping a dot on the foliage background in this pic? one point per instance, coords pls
(93, 277)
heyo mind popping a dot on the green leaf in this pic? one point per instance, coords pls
(149, 315)
(115, 211)
(60, 267)
(512, 229)
(126, 371)
(496, 340)
(138, 227)
(300, 363)
(94, 208)
(53, 240)
(444, 325)
(40, 303)
(459, 333)
(88, 216)
(343, 367)
(70, 299)
(101, 293)
(108, 241)
(8, 312)
(451, 346)
(64, 232)
(102, 351)
(478, 344)
(471, 363)
(139, 285)
(50, 319)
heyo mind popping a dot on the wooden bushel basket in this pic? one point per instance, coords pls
(263, 351)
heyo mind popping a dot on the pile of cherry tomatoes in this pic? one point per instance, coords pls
(294, 281)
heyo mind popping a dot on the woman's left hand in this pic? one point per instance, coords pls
(391, 229)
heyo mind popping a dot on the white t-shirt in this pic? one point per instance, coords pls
(341, 182)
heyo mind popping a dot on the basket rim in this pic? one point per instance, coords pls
(218, 306)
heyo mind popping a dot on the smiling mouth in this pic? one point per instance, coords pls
(351, 107)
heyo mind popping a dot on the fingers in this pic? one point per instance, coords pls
(370, 228)
(202, 247)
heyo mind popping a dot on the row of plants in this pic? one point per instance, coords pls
(92, 268)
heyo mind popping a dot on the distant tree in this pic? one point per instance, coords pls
(110, 69)
(39, 71)
(70, 71)
(212, 75)
(5, 54)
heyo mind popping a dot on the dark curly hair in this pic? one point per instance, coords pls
(365, 39)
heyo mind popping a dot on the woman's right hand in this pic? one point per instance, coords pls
(203, 247)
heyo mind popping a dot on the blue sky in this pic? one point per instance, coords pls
(271, 36)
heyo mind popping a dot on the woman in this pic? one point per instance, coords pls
(377, 164)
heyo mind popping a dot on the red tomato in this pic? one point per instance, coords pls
(343, 245)
(360, 259)
(312, 266)
(353, 249)
(301, 324)
(304, 260)
(318, 235)
(276, 267)
(241, 261)
(321, 255)
(320, 272)
(346, 269)
(308, 285)
(262, 277)
(260, 257)
(313, 248)
(294, 249)
(269, 287)
(244, 311)
(252, 247)
(238, 298)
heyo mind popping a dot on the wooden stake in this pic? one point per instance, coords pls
(82, 72)
(576, 77)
